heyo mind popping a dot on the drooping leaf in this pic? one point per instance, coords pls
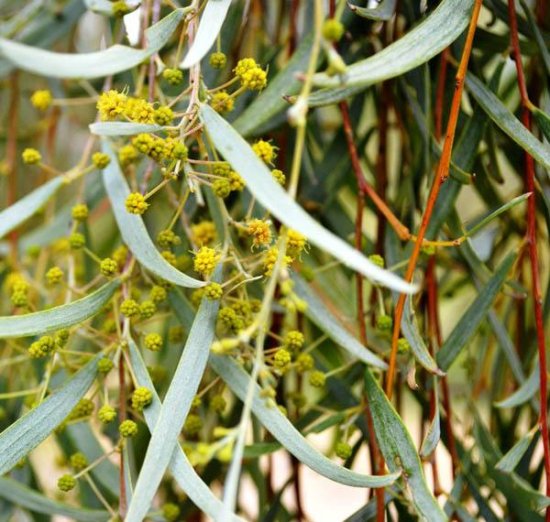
(26, 207)
(273, 198)
(543, 121)
(210, 26)
(105, 7)
(383, 11)
(31, 429)
(444, 25)
(258, 117)
(282, 429)
(29, 499)
(180, 467)
(410, 330)
(113, 60)
(132, 228)
(399, 452)
(524, 392)
(434, 431)
(38, 323)
(321, 316)
(122, 128)
(511, 459)
(174, 410)
(472, 318)
(506, 121)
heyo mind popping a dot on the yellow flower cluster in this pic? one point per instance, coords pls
(260, 232)
(251, 75)
(205, 261)
(203, 233)
(265, 151)
(136, 204)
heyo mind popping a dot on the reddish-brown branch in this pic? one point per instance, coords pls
(294, 6)
(440, 177)
(440, 94)
(376, 458)
(531, 236)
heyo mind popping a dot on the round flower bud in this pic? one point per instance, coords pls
(218, 60)
(106, 414)
(141, 398)
(42, 99)
(31, 156)
(213, 291)
(78, 461)
(172, 76)
(153, 342)
(135, 203)
(171, 512)
(343, 450)
(80, 212)
(100, 160)
(77, 241)
(147, 309)
(54, 276)
(317, 379)
(104, 365)
(108, 267)
(129, 308)
(66, 483)
(333, 30)
(193, 425)
(128, 428)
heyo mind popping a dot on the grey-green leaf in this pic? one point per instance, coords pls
(177, 402)
(38, 323)
(180, 467)
(444, 25)
(29, 499)
(410, 330)
(31, 429)
(398, 449)
(472, 318)
(210, 26)
(321, 316)
(383, 11)
(274, 199)
(283, 430)
(506, 121)
(511, 459)
(434, 431)
(524, 392)
(26, 207)
(132, 228)
(122, 128)
(113, 60)
(543, 121)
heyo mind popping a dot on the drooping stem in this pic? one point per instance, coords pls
(531, 237)
(442, 174)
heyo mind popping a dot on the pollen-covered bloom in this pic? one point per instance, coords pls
(265, 151)
(111, 105)
(41, 99)
(205, 260)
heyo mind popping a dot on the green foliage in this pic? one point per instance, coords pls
(206, 232)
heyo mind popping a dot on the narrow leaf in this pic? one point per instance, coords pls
(524, 392)
(504, 208)
(383, 11)
(434, 431)
(318, 313)
(29, 499)
(177, 402)
(418, 46)
(121, 128)
(113, 60)
(132, 228)
(472, 318)
(543, 121)
(29, 431)
(511, 459)
(398, 449)
(38, 323)
(274, 199)
(180, 467)
(209, 27)
(283, 430)
(27, 206)
(506, 121)
(105, 7)
(410, 330)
